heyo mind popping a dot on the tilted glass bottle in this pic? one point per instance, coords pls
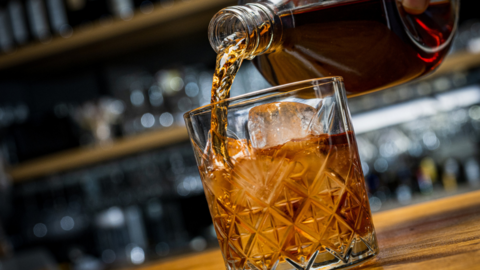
(373, 44)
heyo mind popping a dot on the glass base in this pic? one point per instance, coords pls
(361, 250)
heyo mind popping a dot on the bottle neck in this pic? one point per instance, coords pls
(257, 23)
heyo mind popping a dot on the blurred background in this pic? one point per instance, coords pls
(96, 171)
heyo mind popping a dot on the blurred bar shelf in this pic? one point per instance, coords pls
(458, 61)
(117, 36)
(76, 158)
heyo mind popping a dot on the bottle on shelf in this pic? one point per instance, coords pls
(426, 175)
(372, 44)
(38, 20)
(18, 20)
(172, 82)
(122, 9)
(472, 172)
(58, 18)
(158, 114)
(450, 175)
(6, 38)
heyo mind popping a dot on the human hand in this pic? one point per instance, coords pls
(415, 7)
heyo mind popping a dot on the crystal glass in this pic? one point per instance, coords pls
(291, 193)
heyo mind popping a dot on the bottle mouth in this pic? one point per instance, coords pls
(227, 24)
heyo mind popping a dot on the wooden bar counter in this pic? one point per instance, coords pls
(441, 234)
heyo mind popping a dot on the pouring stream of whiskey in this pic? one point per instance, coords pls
(229, 60)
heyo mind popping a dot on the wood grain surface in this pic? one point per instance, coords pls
(441, 234)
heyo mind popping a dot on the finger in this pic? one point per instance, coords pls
(415, 7)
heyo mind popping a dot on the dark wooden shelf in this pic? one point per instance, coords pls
(116, 37)
(76, 158)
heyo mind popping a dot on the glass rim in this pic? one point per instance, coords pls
(322, 80)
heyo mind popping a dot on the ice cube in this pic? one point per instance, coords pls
(276, 123)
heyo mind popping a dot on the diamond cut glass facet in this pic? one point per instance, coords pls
(275, 215)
